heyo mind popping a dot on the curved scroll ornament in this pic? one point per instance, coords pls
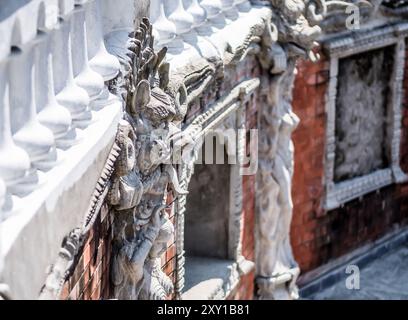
(143, 172)
(297, 28)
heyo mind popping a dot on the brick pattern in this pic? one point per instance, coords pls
(90, 277)
(318, 236)
(168, 258)
(308, 103)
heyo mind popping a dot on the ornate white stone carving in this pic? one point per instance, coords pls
(57, 273)
(297, 32)
(277, 270)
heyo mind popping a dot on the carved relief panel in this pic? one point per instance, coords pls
(362, 113)
(363, 106)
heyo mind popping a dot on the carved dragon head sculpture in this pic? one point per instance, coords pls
(299, 21)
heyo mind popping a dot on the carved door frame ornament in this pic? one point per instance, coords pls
(225, 114)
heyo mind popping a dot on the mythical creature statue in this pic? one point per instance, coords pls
(144, 171)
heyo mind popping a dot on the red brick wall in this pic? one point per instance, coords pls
(318, 236)
(90, 277)
(169, 257)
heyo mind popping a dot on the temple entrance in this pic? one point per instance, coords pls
(207, 224)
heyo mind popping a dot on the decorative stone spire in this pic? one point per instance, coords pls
(164, 31)
(213, 10)
(50, 113)
(197, 11)
(37, 140)
(14, 161)
(101, 61)
(85, 77)
(69, 94)
(183, 22)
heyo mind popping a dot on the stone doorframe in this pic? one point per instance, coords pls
(227, 113)
(345, 46)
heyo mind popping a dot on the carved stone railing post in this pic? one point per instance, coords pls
(37, 140)
(197, 11)
(215, 13)
(243, 5)
(3, 195)
(69, 94)
(212, 9)
(101, 61)
(84, 76)
(164, 31)
(183, 22)
(50, 114)
(14, 161)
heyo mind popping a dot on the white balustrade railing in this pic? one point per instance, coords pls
(179, 21)
(51, 85)
(100, 61)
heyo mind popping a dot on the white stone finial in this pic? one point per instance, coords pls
(179, 16)
(101, 61)
(84, 76)
(243, 5)
(50, 114)
(69, 94)
(28, 133)
(212, 7)
(164, 30)
(14, 161)
(230, 9)
(215, 13)
(183, 22)
(197, 11)
(104, 63)
(2, 199)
